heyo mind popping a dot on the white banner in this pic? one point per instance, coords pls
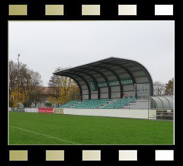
(10, 109)
(31, 109)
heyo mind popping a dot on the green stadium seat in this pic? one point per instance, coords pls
(99, 104)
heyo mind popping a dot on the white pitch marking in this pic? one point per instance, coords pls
(33, 132)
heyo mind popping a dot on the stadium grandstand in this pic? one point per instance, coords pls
(109, 83)
(115, 83)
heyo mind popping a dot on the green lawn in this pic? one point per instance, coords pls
(33, 128)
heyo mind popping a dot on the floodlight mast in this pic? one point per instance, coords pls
(18, 76)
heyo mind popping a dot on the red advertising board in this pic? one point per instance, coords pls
(46, 110)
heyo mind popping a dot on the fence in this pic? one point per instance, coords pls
(30, 109)
(164, 114)
(144, 113)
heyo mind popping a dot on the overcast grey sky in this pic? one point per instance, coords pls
(46, 45)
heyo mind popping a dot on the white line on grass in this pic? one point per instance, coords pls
(33, 132)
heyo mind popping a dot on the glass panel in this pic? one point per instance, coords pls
(142, 91)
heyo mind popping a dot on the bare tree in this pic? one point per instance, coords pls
(159, 88)
(169, 87)
(12, 76)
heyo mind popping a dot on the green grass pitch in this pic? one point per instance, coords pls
(42, 129)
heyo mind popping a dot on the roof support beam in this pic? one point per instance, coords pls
(124, 68)
(86, 73)
(116, 75)
(148, 76)
(104, 77)
(78, 75)
(80, 89)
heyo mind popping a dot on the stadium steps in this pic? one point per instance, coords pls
(126, 107)
(91, 104)
(99, 104)
(108, 102)
(139, 104)
(119, 103)
(74, 105)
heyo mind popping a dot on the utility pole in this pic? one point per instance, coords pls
(74, 95)
(18, 76)
(148, 100)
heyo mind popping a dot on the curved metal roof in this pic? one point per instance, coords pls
(107, 70)
(163, 102)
